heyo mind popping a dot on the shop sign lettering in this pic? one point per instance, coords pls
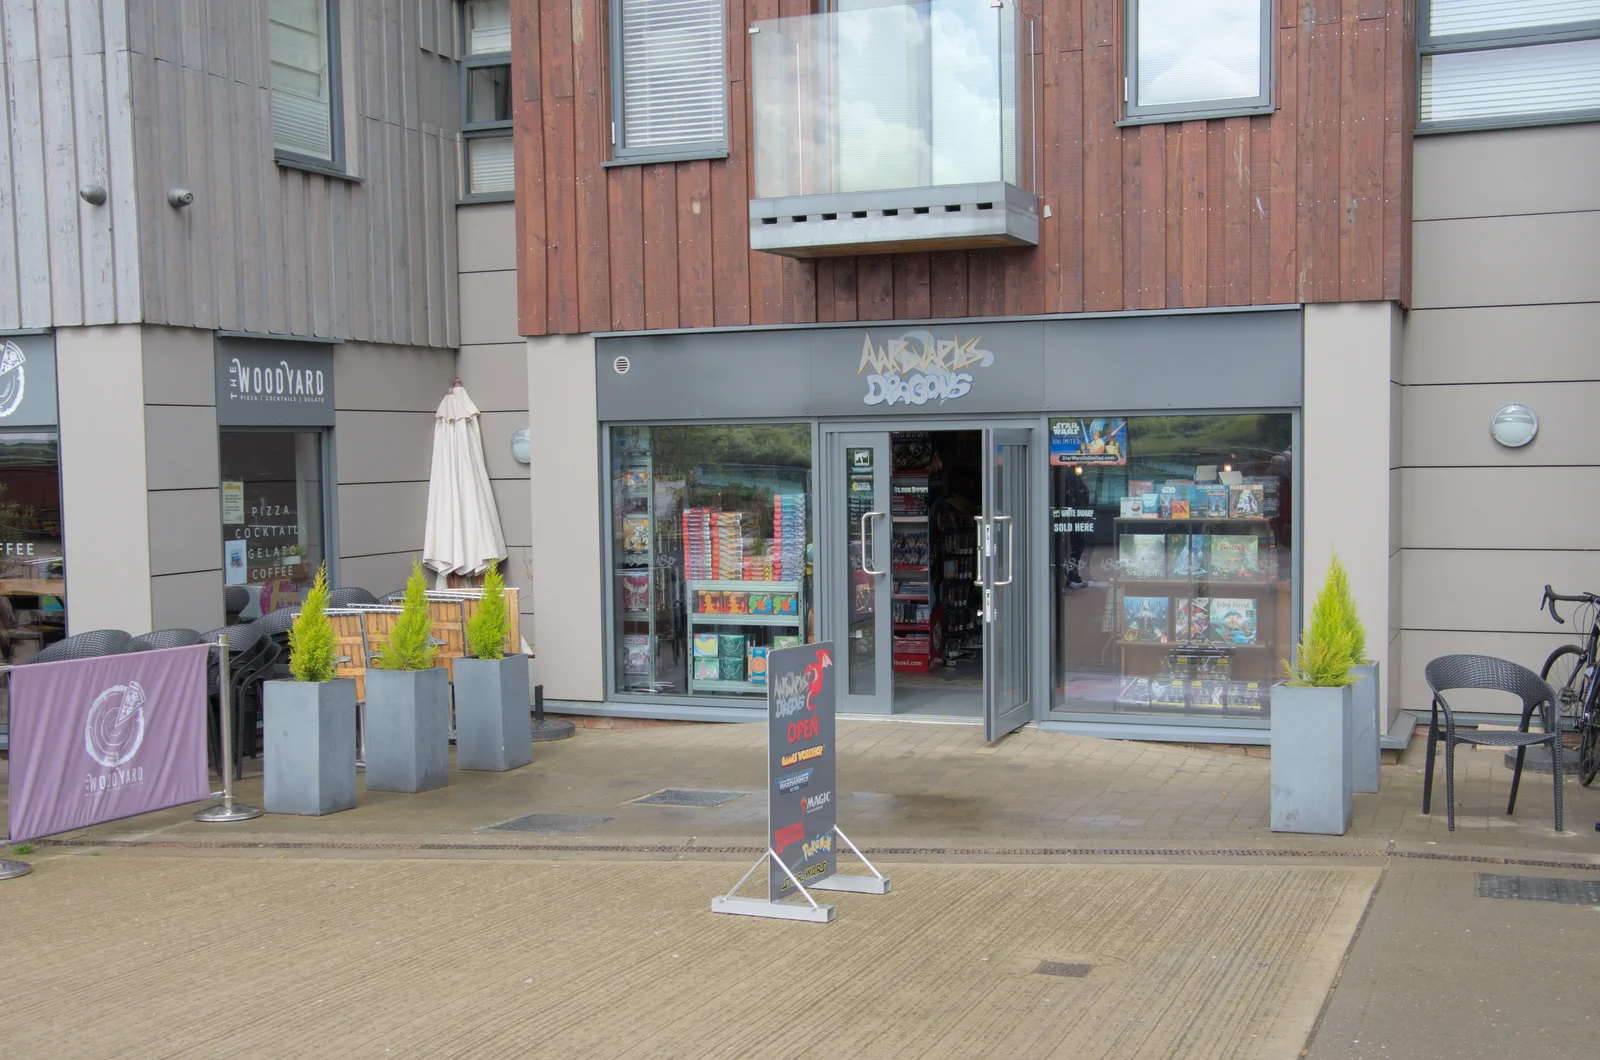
(917, 368)
(274, 382)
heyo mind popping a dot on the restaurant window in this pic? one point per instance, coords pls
(302, 43)
(668, 86)
(1497, 63)
(1172, 563)
(33, 588)
(273, 514)
(1197, 59)
(711, 555)
(486, 99)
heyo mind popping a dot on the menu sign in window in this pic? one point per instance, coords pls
(801, 809)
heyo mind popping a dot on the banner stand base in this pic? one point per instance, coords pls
(223, 812)
(10, 870)
(811, 911)
(877, 883)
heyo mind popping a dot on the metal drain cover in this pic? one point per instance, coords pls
(550, 823)
(687, 797)
(1071, 971)
(1539, 889)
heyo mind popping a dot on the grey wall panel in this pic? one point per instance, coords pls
(1418, 646)
(65, 79)
(496, 376)
(1448, 426)
(384, 446)
(1502, 344)
(187, 601)
(497, 428)
(377, 518)
(1527, 260)
(1492, 590)
(267, 248)
(488, 307)
(512, 497)
(384, 378)
(518, 573)
(181, 446)
(185, 531)
(1548, 169)
(487, 236)
(179, 366)
(378, 574)
(1500, 508)
(767, 373)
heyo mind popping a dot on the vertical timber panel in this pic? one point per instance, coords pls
(591, 126)
(695, 309)
(660, 245)
(527, 66)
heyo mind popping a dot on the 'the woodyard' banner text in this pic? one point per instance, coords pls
(93, 740)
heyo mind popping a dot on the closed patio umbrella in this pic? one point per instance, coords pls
(463, 532)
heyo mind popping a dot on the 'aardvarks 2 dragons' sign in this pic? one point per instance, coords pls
(800, 771)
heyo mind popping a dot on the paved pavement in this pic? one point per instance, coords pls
(410, 925)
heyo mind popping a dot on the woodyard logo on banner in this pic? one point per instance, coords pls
(115, 729)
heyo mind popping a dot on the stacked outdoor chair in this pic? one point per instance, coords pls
(235, 598)
(1451, 672)
(350, 596)
(90, 645)
(164, 638)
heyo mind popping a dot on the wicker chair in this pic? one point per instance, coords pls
(398, 596)
(1450, 672)
(235, 598)
(90, 645)
(349, 596)
(164, 638)
(246, 646)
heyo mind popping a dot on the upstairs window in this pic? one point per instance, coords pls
(486, 100)
(1495, 63)
(302, 40)
(1197, 59)
(668, 80)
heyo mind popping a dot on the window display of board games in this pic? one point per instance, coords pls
(1197, 590)
(711, 547)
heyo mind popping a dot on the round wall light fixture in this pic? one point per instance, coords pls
(520, 451)
(1514, 425)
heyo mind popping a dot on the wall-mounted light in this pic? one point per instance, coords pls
(1514, 425)
(520, 451)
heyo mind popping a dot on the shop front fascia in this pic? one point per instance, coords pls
(275, 418)
(725, 520)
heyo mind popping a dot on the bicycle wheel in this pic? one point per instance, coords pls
(1566, 671)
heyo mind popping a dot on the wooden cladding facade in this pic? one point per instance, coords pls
(1308, 204)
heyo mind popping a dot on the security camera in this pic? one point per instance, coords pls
(179, 197)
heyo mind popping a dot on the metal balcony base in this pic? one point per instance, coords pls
(950, 217)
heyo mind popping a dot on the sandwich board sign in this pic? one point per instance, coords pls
(803, 836)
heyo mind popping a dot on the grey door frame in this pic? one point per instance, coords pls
(828, 580)
(1000, 720)
(829, 607)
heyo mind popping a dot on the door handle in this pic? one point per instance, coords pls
(981, 552)
(869, 542)
(1011, 547)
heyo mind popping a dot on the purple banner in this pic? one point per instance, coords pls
(93, 740)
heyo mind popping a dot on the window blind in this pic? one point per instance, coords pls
(302, 97)
(1539, 79)
(490, 164)
(1448, 17)
(488, 27)
(672, 73)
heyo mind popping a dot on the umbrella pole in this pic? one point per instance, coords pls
(547, 729)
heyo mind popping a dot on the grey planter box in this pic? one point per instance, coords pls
(1311, 777)
(494, 726)
(1365, 727)
(309, 746)
(408, 730)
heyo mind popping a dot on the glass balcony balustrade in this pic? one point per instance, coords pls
(892, 126)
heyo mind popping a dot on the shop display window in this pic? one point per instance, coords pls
(272, 514)
(711, 551)
(33, 588)
(1172, 563)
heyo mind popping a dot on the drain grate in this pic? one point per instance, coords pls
(687, 797)
(1071, 971)
(549, 823)
(1539, 889)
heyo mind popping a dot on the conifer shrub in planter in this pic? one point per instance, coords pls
(494, 729)
(1312, 785)
(309, 723)
(408, 703)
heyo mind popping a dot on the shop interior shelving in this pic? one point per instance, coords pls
(720, 621)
